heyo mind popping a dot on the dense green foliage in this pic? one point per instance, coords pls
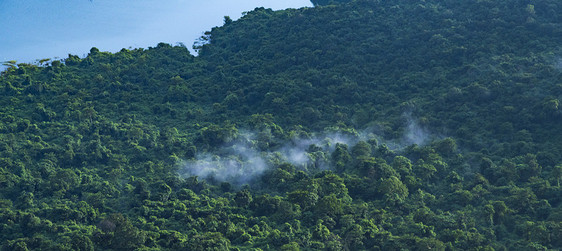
(424, 125)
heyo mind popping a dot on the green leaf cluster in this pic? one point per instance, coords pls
(423, 125)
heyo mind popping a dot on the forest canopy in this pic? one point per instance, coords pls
(353, 125)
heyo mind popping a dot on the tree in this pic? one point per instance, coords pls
(331, 183)
(375, 168)
(329, 205)
(125, 235)
(446, 147)
(163, 191)
(393, 189)
(361, 150)
(81, 242)
(402, 165)
(243, 198)
(292, 246)
(500, 210)
(530, 167)
(215, 135)
(340, 157)
(209, 241)
(305, 199)
(557, 174)
(425, 170)
(64, 180)
(321, 232)
(489, 213)
(227, 20)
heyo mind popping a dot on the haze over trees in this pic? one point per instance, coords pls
(353, 125)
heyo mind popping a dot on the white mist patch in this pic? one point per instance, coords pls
(415, 134)
(299, 151)
(296, 156)
(238, 164)
(241, 162)
(558, 63)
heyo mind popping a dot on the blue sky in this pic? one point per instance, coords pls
(39, 29)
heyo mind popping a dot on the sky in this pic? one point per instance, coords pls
(31, 30)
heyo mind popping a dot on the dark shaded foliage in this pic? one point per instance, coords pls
(452, 108)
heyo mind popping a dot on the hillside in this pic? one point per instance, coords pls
(353, 125)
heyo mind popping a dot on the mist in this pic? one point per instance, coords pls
(241, 162)
(558, 63)
(415, 134)
(238, 164)
(240, 167)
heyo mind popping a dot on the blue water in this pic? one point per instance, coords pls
(31, 30)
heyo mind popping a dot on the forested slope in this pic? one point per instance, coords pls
(379, 125)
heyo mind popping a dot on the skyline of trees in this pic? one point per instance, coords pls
(380, 125)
